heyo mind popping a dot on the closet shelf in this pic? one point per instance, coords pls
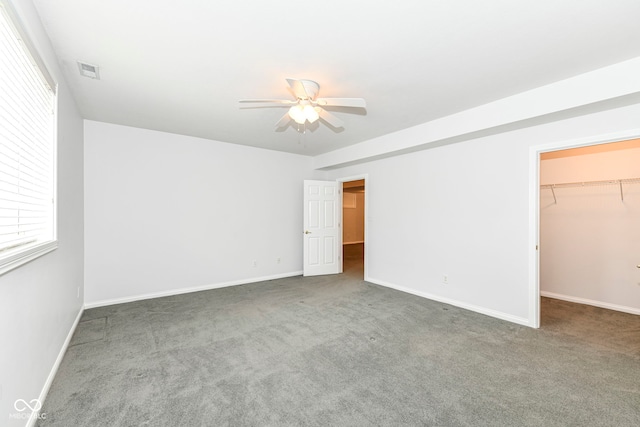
(617, 182)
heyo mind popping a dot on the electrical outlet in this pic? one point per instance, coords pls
(445, 279)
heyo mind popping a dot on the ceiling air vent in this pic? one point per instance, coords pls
(89, 70)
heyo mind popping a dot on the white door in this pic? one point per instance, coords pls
(321, 228)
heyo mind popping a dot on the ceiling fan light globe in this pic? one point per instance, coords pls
(297, 114)
(310, 113)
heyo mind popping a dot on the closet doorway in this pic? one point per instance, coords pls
(353, 227)
(589, 228)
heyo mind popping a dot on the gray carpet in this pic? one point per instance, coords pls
(338, 351)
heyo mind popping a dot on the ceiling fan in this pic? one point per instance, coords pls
(307, 107)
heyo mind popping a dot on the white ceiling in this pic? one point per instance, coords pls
(181, 66)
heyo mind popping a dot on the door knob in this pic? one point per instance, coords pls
(308, 232)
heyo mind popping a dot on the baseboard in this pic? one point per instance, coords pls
(54, 369)
(616, 307)
(179, 291)
(353, 243)
(488, 312)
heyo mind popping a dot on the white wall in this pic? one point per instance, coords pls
(38, 301)
(167, 213)
(590, 239)
(464, 210)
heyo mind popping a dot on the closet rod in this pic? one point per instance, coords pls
(618, 182)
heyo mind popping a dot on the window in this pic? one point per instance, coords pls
(27, 148)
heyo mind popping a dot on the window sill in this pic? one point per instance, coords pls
(19, 256)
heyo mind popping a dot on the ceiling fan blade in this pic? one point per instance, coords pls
(264, 105)
(311, 88)
(284, 121)
(272, 101)
(298, 89)
(329, 118)
(342, 102)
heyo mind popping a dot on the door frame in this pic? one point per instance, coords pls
(534, 206)
(341, 181)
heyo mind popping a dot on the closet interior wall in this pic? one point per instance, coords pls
(589, 227)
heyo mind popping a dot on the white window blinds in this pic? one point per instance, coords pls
(27, 125)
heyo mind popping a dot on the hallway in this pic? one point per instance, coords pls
(353, 256)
